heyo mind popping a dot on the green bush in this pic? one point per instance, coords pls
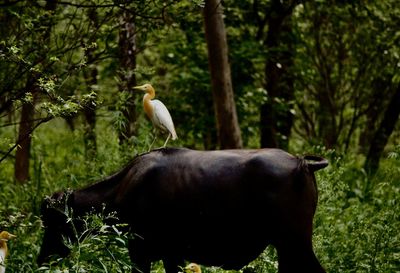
(358, 231)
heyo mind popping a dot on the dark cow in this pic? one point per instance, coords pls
(210, 207)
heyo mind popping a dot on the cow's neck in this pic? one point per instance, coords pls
(95, 198)
(101, 196)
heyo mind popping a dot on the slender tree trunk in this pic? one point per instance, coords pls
(327, 127)
(224, 105)
(89, 111)
(383, 133)
(276, 118)
(22, 155)
(89, 132)
(210, 138)
(373, 114)
(127, 59)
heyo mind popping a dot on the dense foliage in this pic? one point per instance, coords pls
(315, 76)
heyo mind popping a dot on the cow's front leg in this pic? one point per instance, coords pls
(141, 262)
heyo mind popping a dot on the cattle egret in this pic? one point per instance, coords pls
(193, 268)
(157, 112)
(4, 237)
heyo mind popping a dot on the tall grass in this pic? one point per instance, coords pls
(355, 231)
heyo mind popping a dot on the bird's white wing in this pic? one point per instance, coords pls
(2, 258)
(163, 118)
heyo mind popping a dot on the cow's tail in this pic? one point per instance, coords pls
(315, 162)
(305, 173)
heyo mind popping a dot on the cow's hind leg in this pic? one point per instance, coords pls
(141, 263)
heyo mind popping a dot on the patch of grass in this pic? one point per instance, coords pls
(100, 248)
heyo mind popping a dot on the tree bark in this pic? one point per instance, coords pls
(90, 133)
(229, 135)
(127, 59)
(383, 133)
(89, 111)
(276, 118)
(22, 155)
(374, 113)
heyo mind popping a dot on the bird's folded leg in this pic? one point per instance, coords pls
(165, 144)
(152, 143)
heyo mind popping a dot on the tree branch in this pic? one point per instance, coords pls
(6, 154)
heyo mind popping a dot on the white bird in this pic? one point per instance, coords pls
(157, 112)
(193, 268)
(4, 237)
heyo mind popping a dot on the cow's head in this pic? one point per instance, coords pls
(58, 226)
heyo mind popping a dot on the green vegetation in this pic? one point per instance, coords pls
(314, 76)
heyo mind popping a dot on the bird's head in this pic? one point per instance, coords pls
(193, 268)
(145, 87)
(5, 236)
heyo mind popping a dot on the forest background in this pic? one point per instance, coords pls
(312, 76)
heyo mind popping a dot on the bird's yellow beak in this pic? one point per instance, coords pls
(5, 236)
(139, 88)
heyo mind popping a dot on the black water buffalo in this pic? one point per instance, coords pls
(210, 207)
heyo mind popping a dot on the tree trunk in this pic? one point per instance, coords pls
(89, 113)
(127, 59)
(91, 81)
(21, 167)
(276, 118)
(22, 155)
(327, 113)
(383, 133)
(224, 105)
(89, 132)
(374, 113)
